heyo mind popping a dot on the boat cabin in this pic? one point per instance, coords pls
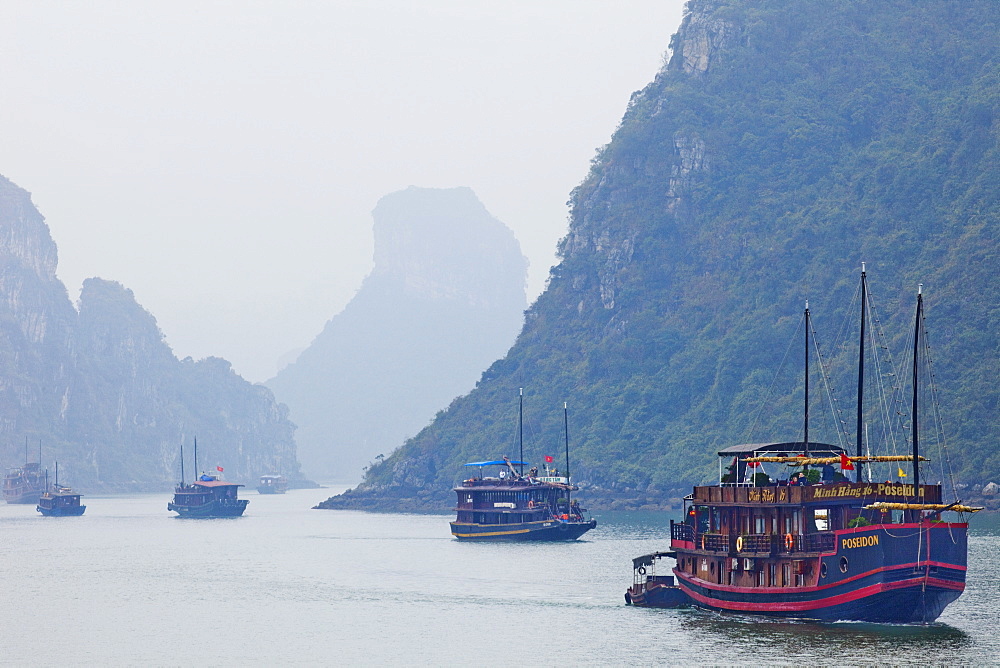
(760, 528)
(509, 498)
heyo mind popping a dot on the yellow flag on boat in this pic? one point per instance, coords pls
(902, 474)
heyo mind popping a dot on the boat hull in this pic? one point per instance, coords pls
(903, 573)
(216, 508)
(657, 595)
(23, 498)
(550, 530)
(72, 511)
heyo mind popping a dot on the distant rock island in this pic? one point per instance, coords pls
(444, 300)
(99, 389)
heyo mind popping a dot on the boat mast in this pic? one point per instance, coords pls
(861, 365)
(566, 432)
(196, 458)
(916, 348)
(182, 464)
(520, 429)
(805, 427)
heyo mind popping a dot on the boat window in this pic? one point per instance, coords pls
(821, 519)
(822, 570)
(758, 525)
(843, 564)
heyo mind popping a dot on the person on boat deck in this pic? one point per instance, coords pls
(533, 472)
(827, 473)
(796, 479)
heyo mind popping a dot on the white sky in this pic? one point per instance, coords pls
(222, 159)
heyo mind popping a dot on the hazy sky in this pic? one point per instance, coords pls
(222, 159)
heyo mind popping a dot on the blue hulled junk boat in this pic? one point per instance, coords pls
(207, 496)
(60, 501)
(824, 548)
(511, 506)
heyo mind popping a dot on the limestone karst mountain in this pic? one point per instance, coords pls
(100, 389)
(445, 299)
(782, 145)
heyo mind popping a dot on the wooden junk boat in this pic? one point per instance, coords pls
(207, 496)
(25, 484)
(511, 506)
(60, 501)
(516, 506)
(832, 549)
(272, 484)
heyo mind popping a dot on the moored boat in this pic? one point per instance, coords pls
(60, 501)
(817, 546)
(272, 484)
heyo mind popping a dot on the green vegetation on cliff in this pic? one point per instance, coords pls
(783, 145)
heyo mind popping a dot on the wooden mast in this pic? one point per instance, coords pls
(520, 429)
(914, 421)
(861, 368)
(566, 432)
(805, 438)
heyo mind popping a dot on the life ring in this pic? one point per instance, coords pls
(703, 541)
(739, 543)
(641, 570)
(789, 541)
(531, 504)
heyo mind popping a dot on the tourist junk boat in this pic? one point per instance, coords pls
(60, 501)
(859, 550)
(272, 484)
(25, 484)
(207, 496)
(515, 506)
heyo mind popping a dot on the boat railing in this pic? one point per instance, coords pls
(681, 531)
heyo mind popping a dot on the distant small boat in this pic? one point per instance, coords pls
(60, 501)
(207, 496)
(25, 484)
(272, 484)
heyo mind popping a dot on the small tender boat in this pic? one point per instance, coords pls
(272, 484)
(60, 501)
(650, 590)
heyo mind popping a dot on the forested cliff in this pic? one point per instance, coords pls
(782, 145)
(98, 388)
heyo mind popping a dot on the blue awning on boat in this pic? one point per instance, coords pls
(496, 462)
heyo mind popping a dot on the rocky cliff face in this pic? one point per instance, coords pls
(444, 299)
(99, 388)
(782, 145)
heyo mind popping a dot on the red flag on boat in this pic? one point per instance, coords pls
(549, 459)
(845, 463)
(219, 469)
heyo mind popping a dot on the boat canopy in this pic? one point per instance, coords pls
(497, 462)
(795, 446)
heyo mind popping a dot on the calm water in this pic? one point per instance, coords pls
(129, 584)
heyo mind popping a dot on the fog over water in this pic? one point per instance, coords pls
(221, 159)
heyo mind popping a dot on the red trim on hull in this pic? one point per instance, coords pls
(785, 590)
(829, 601)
